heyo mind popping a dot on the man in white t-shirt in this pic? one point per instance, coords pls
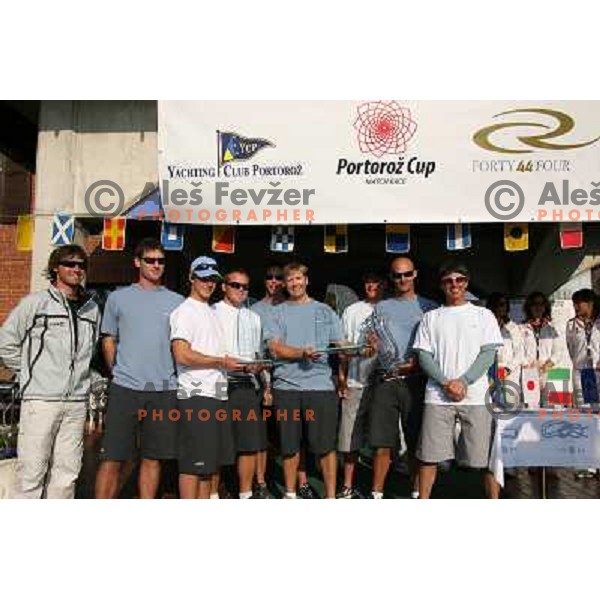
(456, 344)
(205, 438)
(353, 379)
(243, 339)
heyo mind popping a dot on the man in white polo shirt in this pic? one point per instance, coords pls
(205, 438)
(456, 344)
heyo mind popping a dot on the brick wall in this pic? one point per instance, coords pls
(15, 270)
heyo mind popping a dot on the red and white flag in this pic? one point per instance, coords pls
(571, 235)
(530, 379)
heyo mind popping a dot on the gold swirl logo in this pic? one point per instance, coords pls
(564, 124)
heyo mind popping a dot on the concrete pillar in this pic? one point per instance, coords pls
(54, 179)
(80, 142)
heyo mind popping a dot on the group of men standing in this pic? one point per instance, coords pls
(436, 378)
(190, 381)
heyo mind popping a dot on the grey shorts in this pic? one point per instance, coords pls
(437, 442)
(353, 421)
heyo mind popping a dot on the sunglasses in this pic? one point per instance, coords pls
(209, 279)
(154, 261)
(402, 274)
(236, 285)
(271, 277)
(452, 280)
(71, 264)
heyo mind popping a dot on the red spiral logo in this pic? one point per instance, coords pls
(384, 127)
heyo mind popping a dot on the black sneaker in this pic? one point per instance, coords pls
(345, 493)
(306, 492)
(349, 494)
(261, 492)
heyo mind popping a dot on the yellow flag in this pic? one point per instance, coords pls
(516, 237)
(25, 233)
(336, 239)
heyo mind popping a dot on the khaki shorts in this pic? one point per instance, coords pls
(353, 421)
(437, 442)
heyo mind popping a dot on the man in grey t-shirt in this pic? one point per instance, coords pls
(297, 331)
(136, 346)
(399, 386)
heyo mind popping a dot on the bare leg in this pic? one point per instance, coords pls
(246, 467)
(302, 476)
(381, 466)
(413, 467)
(427, 474)
(349, 468)
(329, 467)
(188, 487)
(149, 478)
(290, 472)
(126, 470)
(261, 466)
(107, 479)
(205, 486)
(492, 487)
(215, 479)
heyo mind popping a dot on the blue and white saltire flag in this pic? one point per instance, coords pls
(171, 236)
(63, 229)
(282, 238)
(459, 236)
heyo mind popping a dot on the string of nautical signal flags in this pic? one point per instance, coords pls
(283, 237)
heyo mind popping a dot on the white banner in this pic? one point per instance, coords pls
(546, 438)
(379, 161)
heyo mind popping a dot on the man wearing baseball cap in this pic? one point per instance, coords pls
(204, 444)
(456, 344)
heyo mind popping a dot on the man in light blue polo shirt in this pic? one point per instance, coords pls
(296, 332)
(137, 347)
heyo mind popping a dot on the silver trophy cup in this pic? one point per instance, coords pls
(387, 349)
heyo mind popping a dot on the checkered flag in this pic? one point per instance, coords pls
(282, 238)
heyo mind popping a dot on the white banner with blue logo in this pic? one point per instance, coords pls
(546, 438)
(378, 161)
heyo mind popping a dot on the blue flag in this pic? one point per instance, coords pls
(171, 236)
(234, 147)
(397, 238)
(458, 236)
(63, 229)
